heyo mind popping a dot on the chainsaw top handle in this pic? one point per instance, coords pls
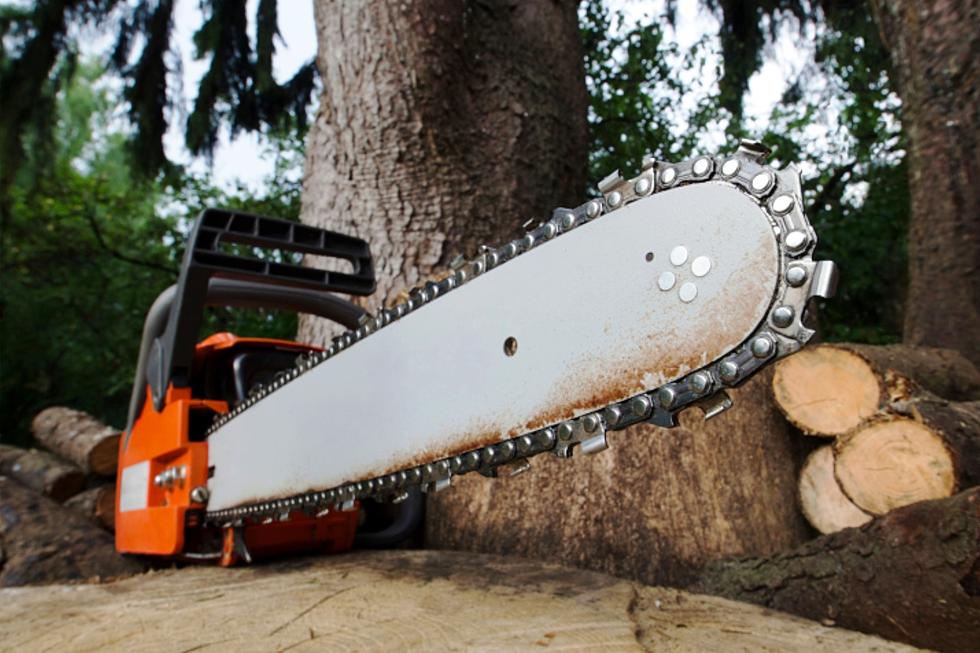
(217, 270)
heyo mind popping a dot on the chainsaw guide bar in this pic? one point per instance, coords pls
(541, 345)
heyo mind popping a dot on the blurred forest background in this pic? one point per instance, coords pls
(93, 213)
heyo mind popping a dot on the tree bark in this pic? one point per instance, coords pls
(403, 601)
(936, 61)
(912, 576)
(443, 125)
(98, 504)
(656, 507)
(41, 472)
(78, 437)
(828, 390)
(43, 542)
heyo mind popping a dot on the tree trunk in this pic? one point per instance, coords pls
(402, 601)
(43, 542)
(828, 390)
(98, 504)
(41, 472)
(657, 506)
(936, 60)
(443, 125)
(78, 437)
(912, 576)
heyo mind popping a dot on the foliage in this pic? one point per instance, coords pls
(840, 114)
(238, 89)
(87, 246)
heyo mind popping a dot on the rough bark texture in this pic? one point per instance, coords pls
(959, 425)
(401, 601)
(827, 390)
(912, 576)
(41, 472)
(444, 124)
(43, 542)
(78, 437)
(936, 60)
(98, 504)
(657, 506)
(824, 504)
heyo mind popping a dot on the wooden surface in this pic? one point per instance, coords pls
(827, 390)
(893, 461)
(98, 504)
(825, 505)
(41, 472)
(655, 507)
(399, 601)
(912, 575)
(78, 437)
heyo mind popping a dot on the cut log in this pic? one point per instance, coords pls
(828, 390)
(656, 506)
(98, 504)
(41, 472)
(78, 437)
(825, 506)
(892, 460)
(402, 601)
(912, 576)
(45, 542)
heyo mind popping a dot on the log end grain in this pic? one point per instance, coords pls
(826, 390)
(823, 503)
(893, 461)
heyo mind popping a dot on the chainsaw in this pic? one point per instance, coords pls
(658, 295)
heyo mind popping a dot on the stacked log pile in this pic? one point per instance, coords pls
(57, 507)
(902, 425)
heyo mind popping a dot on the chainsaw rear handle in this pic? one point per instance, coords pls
(212, 273)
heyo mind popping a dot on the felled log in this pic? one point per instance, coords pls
(44, 542)
(893, 460)
(402, 601)
(828, 390)
(912, 576)
(78, 437)
(41, 472)
(824, 504)
(655, 507)
(98, 504)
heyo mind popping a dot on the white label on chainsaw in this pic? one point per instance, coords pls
(134, 487)
(597, 315)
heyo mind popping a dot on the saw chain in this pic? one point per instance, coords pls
(781, 333)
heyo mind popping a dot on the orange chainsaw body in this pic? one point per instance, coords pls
(165, 456)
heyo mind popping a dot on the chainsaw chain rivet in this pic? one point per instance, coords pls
(728, 371)
(730, 167)
(640, 406)
(783, 316)
(796, 275)
(701, 167)
(700, 382)
(763, 346)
